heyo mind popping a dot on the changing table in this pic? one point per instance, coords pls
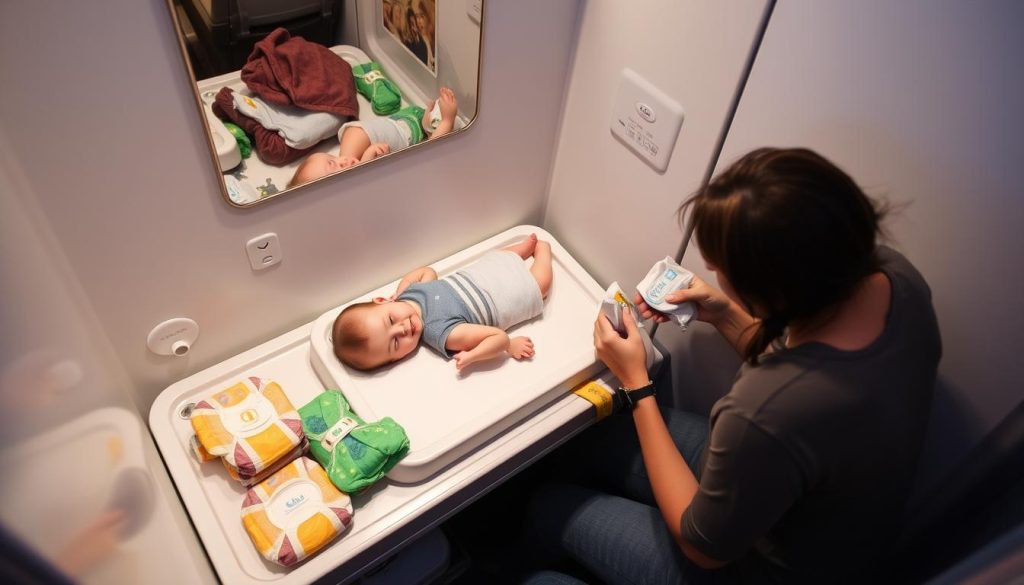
(440, 480)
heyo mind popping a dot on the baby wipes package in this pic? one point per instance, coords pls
(665, 277)
(612, 306)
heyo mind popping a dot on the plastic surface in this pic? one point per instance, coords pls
(646, 120)
(229, 155)
(448, 415)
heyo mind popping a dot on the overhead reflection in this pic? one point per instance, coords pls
(305, 103)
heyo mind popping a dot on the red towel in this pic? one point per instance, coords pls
(295, 72)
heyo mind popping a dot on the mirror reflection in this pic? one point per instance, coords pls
(292, 91)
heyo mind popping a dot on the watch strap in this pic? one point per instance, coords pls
(629, 398)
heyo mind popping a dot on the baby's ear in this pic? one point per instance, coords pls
(381, 300)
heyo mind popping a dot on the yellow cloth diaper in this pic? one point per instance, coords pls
(251, 425)
(295, 512)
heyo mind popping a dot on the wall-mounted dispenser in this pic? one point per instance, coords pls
(173, 337)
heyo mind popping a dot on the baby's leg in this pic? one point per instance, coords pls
(524, 248)
(541, 269)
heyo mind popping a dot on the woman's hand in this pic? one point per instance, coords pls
(624, 356)
(712, 304)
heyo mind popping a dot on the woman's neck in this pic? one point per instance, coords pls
(856, 323)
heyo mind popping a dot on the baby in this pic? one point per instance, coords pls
(463, 315)
(365, 140)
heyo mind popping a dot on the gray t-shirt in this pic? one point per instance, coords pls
(811, 454)
(441, 309)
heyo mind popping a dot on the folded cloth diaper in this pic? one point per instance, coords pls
(295, 512)
(287, 458)
(251, 425)
(384, 96)
(354, 453)
(664, 277)
(299, 128)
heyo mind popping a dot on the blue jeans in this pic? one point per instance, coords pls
(607, 520)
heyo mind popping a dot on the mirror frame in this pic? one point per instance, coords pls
(208, 132)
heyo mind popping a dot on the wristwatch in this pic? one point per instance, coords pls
(629, 397)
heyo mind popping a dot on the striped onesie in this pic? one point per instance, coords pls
(496, 290)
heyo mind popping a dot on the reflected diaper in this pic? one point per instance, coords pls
(295, 512)
(251, 426)
(664, 277)
(354, 453)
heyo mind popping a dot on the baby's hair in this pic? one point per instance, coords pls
(350, 338)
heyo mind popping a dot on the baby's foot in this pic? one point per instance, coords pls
(526, 247)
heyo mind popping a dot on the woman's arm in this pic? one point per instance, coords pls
(672, 482)
(422, 274)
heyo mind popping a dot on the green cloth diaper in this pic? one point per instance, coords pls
(354, 453)
(413, 117)
(384, 96)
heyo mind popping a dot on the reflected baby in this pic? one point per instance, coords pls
(461, 316)
(364, 140)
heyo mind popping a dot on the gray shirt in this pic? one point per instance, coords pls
(812, 453)
(441, 310)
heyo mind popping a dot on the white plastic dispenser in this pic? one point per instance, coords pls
(173, 337)
(646, 120)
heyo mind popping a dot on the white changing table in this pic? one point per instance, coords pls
(390, 514)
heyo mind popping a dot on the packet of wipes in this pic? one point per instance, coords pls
(664, 277)
(612, 306)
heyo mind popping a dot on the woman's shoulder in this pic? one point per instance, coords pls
(902, 273)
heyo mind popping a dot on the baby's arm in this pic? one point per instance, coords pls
(477, 343)
(422, 274)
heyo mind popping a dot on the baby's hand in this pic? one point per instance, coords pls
(449, 106)
(520, 348)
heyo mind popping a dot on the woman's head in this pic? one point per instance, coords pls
(424, 13)
(792, 234)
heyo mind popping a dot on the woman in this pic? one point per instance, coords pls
(413, 39)
(424, 13)
(804, 468)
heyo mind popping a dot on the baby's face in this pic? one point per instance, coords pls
(320, 164)
(393, 329)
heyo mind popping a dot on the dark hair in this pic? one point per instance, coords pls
(792, 233)
(350, 339)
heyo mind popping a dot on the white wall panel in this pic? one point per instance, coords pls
(616, 214)
(102, 123)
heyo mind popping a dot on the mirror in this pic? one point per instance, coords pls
(291, 92)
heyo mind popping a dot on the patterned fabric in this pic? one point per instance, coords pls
(354, 453)
(295, 512)
(251, 425)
